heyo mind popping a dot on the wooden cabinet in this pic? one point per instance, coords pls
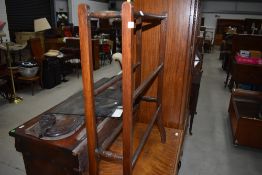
(245, 112)
(52, 157)
(182, 18)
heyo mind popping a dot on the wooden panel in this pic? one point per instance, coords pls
(177, 61)
(156, 158)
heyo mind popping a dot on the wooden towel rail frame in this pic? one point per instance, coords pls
(133, 91)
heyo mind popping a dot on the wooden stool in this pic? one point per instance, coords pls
(31, 80)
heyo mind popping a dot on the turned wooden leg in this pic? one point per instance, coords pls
(161, 129)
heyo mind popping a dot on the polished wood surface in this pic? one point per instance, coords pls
(88, 87)
(156, 158)
(127, 16)
(177, 64)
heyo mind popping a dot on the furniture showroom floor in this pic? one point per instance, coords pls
(209, 151)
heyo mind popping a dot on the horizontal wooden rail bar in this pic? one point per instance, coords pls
(107, 84)
(105, 14)
(109, 140)
(149, 16)
(145, 136)
(145, 85)
(110, 155)
(149, 99)
(117, 14)
(136, 66)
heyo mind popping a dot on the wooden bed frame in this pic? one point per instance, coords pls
(133, 93)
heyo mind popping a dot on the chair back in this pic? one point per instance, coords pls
(37, 50)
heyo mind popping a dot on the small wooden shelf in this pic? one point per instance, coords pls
(156, 158)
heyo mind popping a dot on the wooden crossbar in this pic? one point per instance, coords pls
(145, 136)
(147, 83)
(116, 14)
(105, 14)
(149, 16)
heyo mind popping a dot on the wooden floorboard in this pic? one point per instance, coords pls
(155, 159)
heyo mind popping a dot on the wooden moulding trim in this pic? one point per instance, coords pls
(146, 84)
(145, 136)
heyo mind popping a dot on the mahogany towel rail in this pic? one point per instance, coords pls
(133, 89)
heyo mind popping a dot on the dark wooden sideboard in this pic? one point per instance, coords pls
(68, 156)
(245, 113)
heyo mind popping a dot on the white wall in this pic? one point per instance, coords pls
(212, 10)
(61, 6)
(211, 18)
(94, 6)
(231, 6)
(119, 5)
(3, 17)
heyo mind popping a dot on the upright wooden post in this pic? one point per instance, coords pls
(162, 49)
(138, 51)
(127, 31)
(88, 86)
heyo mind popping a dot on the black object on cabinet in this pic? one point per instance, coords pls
(51, 72)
